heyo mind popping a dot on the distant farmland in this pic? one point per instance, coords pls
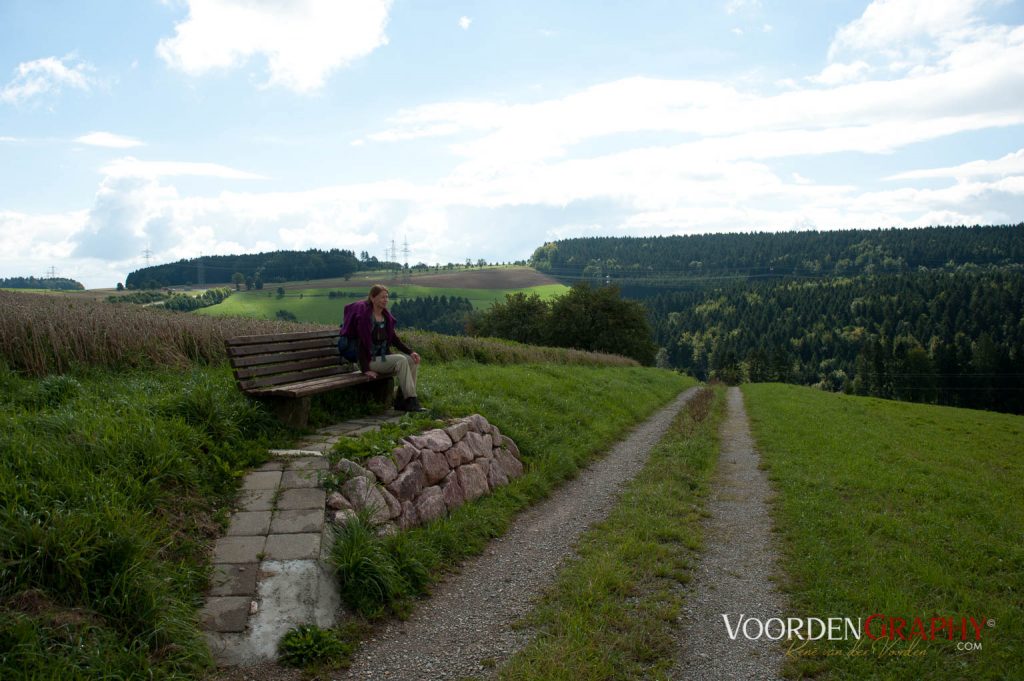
(310, 301)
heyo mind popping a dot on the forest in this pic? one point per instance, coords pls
(46, 283)
(931, 315)
(255, 268)
(441, 314)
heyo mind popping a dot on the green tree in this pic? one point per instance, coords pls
(238, 279)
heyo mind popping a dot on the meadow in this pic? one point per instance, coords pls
(315, 305)
(123, 437)
(900, 509)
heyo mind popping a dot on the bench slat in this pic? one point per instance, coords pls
(259, 360)
(266, 348)
(283, 367)
(290, 377)
(280, 337)
(314, 386)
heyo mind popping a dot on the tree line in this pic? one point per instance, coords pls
(254, 269)
(47, 283)
(441, 314)
(638, 264)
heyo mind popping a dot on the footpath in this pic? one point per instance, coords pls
(736, 570)
(270, 569)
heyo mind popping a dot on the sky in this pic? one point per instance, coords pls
(155, 130)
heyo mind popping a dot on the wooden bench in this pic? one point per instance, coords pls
(284, 370)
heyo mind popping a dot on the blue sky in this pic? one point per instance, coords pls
(484, 129)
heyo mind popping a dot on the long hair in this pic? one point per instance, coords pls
(376, 290)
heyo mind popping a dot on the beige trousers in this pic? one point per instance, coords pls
(402, 367)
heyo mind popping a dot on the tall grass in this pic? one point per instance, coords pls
(109, 483)
(42, 335)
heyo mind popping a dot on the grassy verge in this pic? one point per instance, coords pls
(560, 417)
(110, 487)
(901, 509)
(611, 613)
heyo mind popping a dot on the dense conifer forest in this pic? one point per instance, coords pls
(931, 315)
(442, 314)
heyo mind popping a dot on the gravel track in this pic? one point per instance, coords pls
(736, 568)
(468, 618)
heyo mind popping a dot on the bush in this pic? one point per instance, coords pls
(309, 645)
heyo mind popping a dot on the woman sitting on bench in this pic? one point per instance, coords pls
(370, 328)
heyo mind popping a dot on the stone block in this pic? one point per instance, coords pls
(383, 467)
(435, 466)
(308, 463)
(435, 439)
(403, 456)
(230, 579)
(261, 480)
(430, 504)
(457, 431)
(238, 549)
(293, 499)
(257, 500)
(249, 523)
(293, 546)
(473, 480)
(300, 479)
(408, 483)
(297, 521)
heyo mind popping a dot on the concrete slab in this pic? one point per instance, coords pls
(234, 580)
(293, 546)
(292, 522)
(262, 480)
(300, 479)
(309, 463)
(272, 466)
(225, 613)
(247, 523)
(292, 499)
(317, 447)
(291, 593)
(291, 453)
(238, 549)
(257, 500)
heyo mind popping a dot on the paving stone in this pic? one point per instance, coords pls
(292, 499)
(262, 480)
(364, 429)
(293, 522)
(234, 580)
(309, 463)
(297, 479)
(238, 549)
(225, 613)
(318, 447)
(272, 466)
(257, 500)
(249, 523)
(293, 546)
(291, 453)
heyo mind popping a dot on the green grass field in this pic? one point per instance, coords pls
(901, 509)
(314, 305)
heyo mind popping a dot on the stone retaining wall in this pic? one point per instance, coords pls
(429, 475)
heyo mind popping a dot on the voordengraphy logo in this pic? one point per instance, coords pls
(966, 630)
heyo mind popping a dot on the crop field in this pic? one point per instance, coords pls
(902, 510)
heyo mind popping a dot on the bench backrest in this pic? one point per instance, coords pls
(281, 358)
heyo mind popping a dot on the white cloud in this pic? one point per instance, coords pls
(133, 167)
(767, 28)
(4, 138)
(108, 139)
(838, 73)
(737, 31)
(1011, 164)
(44, 76)
(464, 23)
(303, 42)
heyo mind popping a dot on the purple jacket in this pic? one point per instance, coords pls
(358, 323)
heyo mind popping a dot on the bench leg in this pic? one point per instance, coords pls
(382, 390)
(294, 412)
